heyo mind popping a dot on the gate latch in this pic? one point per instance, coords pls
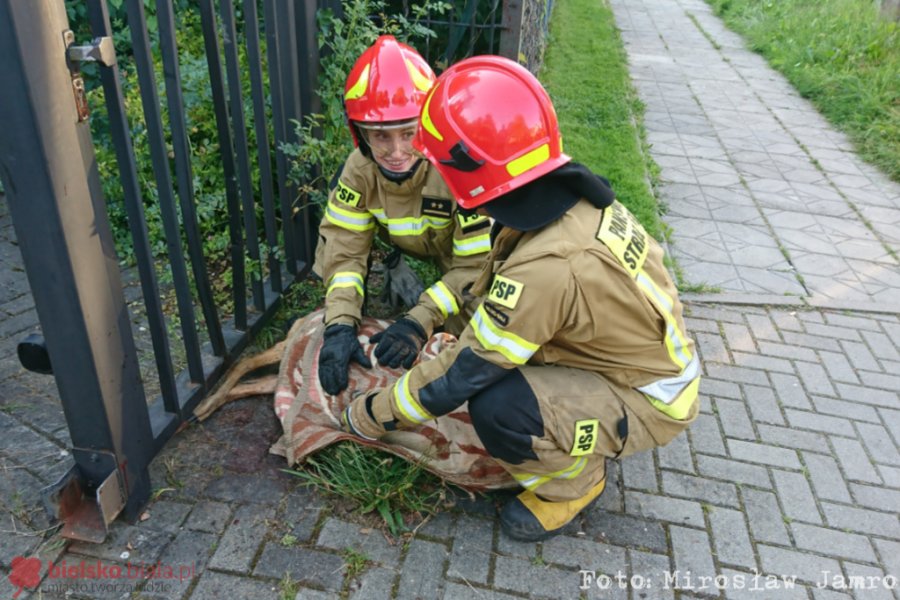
(100, 50)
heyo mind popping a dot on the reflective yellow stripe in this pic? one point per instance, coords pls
(528, 161)
(470, 246)
(409, 226)
(444, 299)
(682, 404)
(530, 481)
(676, 342)
(420, 81)
(359, 88)
(346, 279)
(517, 350)
(427, 123)
(408, 406)
(345, 219)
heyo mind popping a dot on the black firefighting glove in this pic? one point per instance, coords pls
(368, 417)
(340, 347)
(399, 344)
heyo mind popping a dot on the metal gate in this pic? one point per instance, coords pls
(50, 173)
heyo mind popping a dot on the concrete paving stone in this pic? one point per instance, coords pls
(722, 314)
(892, 328)
(470, 556)
(763, 454)
(787, 351)
(890, 555)
(457, 591)
(763, 329)
(881, 345)
(141, 543)
(439, 526)
(215, 586)
(865, 581)
(891, 420)
(237, 487)
(705, 435)
(831, 542)
(763, 405)
(731, 537)
(311, 594)
(768, 363)
(13, 545)
(619, 530)
(737, 374)
(165, 515)
(209, 516)
(712, 349)
(890, 475)
(340, 535)
(417, 575)
(764, 516)
(729, 470)
(305, 566)
(867, 395)
(524, 577)
(787, 437)
(691, 553)
(700, 488)
(815, 378)
(816, 422)
(648, 576)
(243, 538)
(796, 496)
(611, 499)
(849, 410)
(811, 341)
(740, 585)
(695, 326)
(686, 512)
(862, 520)
(735, 421)
(676, 455)
(301, 510)
(570, 551)
(639, 472)
(187, 557)
(879, 443)
(854, 461)
(876, 497)
(710, 386)
(827, 594)
(375, 582)
(508, 546)
(806, 567)
(827, 479)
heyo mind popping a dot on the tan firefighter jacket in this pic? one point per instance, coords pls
(589, 291)
(419, 216)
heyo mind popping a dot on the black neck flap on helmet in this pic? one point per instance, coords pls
(547, 198)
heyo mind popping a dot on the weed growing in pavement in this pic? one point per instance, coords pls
(376, 482)
(354, 562)
(838, 53)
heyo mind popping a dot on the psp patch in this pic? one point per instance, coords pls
(505, 292)
(346, 194)
(437, 207)
(585, 437)
(470, 223)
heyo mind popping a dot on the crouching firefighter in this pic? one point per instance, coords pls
(578, 351)
(386, 187)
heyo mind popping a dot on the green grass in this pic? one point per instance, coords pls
(586, 74)
(390, 486)
(841, 56)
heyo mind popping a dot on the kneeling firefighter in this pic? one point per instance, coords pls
(578, 351)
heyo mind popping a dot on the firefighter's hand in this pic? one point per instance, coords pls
(399, 344)
(368, 417)
(340, 347)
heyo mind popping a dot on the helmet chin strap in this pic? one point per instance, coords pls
(396, 177)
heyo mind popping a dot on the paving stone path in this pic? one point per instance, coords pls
(787, 486)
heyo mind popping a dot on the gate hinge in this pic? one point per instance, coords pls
(100, 50)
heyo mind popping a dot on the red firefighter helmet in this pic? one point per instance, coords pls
(387, 84)
(489, 128)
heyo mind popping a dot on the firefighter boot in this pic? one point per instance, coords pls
(530, 519)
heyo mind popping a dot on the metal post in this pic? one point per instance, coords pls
(50, 174)
(511, 31)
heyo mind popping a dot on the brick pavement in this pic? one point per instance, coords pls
(787, 486)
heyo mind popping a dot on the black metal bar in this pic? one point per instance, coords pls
(254, 60)
(134, 207)
(285, 195)
(240, 138)
(156, 138)
(49, 172)
(166, 19)
(223, 128)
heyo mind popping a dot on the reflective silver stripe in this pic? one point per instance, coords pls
(531, 481)
(409, 225)
(445, 301)
(411, 409)
(514, 348)
(681, 354)
(471, 246)
(667, 390)
(344, 280)
(348, 220)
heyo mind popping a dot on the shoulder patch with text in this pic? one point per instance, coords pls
(626, 238)
(505, 292)
(346, 194)
(472, 223)
(437, 207)
(585, 437)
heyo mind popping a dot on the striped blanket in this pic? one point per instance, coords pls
(310, 418)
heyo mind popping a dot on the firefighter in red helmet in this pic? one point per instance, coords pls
(386, 187)
(578, 351)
